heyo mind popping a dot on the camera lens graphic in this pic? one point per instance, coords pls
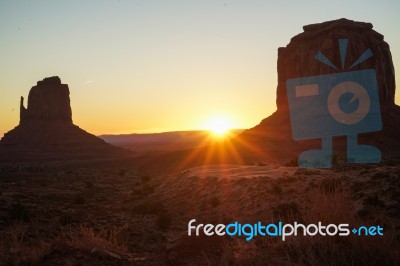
(359, 93)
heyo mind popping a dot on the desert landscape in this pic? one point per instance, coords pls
(63, 214)
(68, 197)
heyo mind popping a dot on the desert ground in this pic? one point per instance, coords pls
(112, 213)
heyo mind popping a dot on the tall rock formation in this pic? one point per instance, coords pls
(46, 130)
(298, 59)
(48, 100)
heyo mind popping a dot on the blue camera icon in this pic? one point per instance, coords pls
(340, 104)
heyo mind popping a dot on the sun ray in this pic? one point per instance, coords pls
(219, 126)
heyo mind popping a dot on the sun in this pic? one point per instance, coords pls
(219, 125)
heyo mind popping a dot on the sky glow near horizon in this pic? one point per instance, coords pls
(153, 66)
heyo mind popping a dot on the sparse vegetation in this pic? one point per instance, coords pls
(66, 219)
(17, 250)
(18, 212)
(337, 208)
(86, 238)
(330, 185)
(118, 219)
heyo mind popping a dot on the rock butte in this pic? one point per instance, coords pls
(46, 130)
(297, 59)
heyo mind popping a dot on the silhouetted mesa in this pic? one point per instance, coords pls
(298, 59)
(48, 100)
(46, 130)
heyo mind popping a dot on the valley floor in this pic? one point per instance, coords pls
(107, 215)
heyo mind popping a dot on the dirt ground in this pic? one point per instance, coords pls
(105, 214)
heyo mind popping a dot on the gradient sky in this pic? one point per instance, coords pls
(151, 66)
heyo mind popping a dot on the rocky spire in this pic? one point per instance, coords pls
(22, 110)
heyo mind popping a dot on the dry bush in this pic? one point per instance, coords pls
(332, 206)
(335, 208)
(86, 238)
(16, 250)
(238, 252)
(3, 250)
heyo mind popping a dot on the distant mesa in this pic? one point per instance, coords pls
(46, 130)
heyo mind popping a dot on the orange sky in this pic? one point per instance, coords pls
(151, 66)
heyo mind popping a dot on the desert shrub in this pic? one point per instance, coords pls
(336, 208)
(66, 219)
(86, 238)
(18, 212)
(330, 185)
(16, 250)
